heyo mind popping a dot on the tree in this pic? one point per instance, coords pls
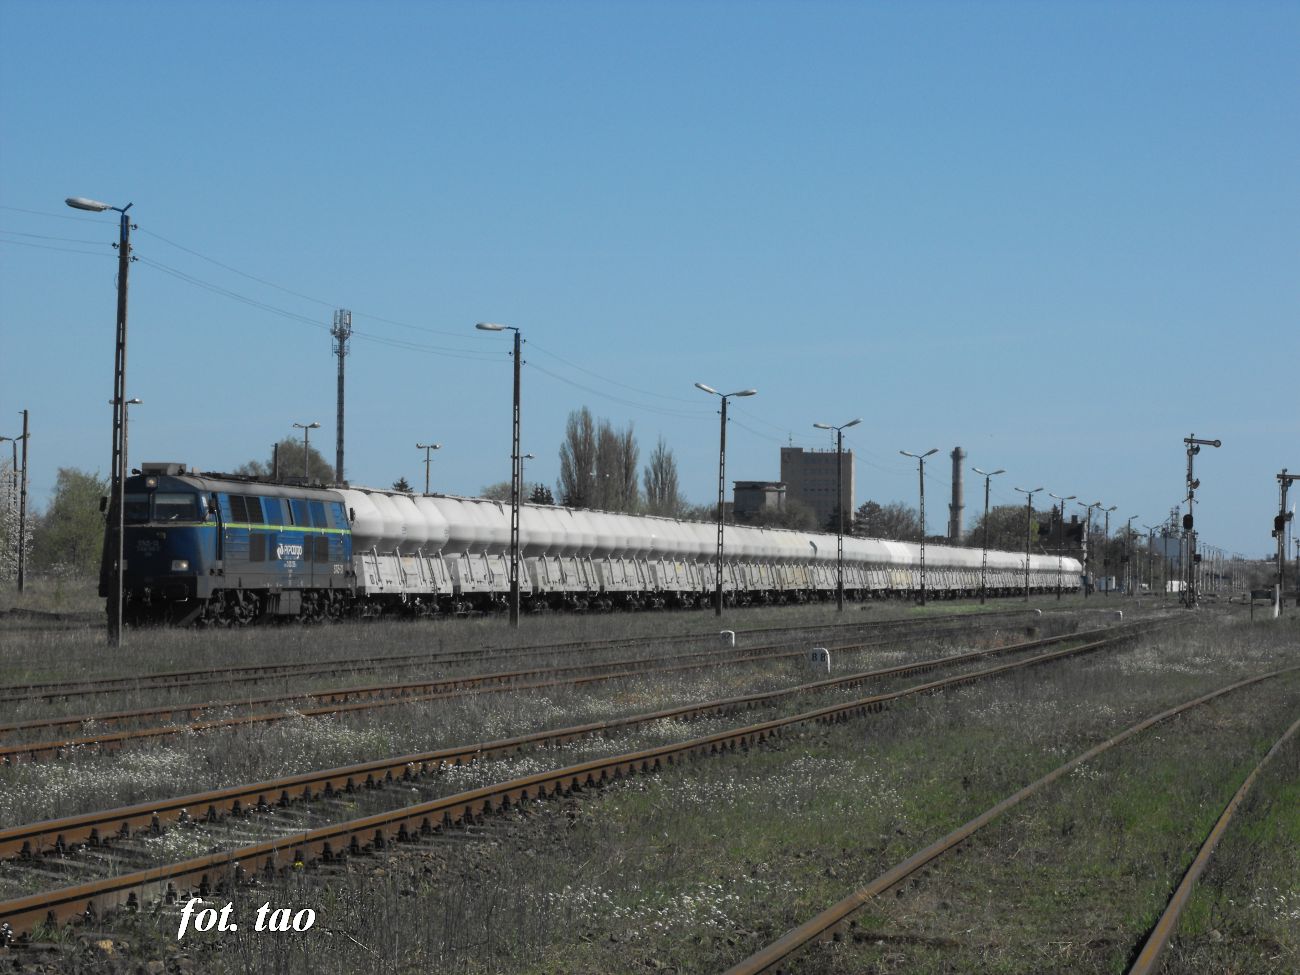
(401, 484)
(9, 522)
(662, 494)
(894, 521)
(578, 460)
(318, 468)
(796, 515)
(615, 475)
(1007, 531)
(70, 536)
(541, 495)
(500, 491)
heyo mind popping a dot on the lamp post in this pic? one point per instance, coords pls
(722, 473)
(118, 475)
(839, 505)
(1193, 448)
(1060, 538)
(1029, 518)
(1128, 552)
(428, 449)
(920, 458)
(516, 469)
(1151, 570)
(984, 559)
(306, 429)
(1087, 545)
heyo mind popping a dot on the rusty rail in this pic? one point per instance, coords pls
(17, 693)
(832, 920)
(1148, 959)
(214, 871)
(61, 835)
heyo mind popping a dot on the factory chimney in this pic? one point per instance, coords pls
(957, 510)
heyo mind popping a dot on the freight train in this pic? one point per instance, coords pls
(219, 549)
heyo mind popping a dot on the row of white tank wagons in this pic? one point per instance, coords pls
(437, 552)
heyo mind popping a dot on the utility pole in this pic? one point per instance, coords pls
(1279, 531)
(1029, 521)
(341, 331)
(1193, 448)
(428, 449)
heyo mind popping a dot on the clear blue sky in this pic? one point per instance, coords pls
(1063, 236)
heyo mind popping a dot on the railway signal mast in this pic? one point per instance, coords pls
(1193, 448)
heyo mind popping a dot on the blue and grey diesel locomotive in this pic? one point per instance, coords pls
(221, 549)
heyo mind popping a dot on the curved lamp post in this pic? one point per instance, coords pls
(1060, 537)
(116, 507)
(516, 470)
(1029, 518)
(306, 429)
(428, 449)
(984, 561)
(722, 472)
(839, 505)
(921, 465)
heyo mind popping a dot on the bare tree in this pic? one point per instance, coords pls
(662, 494)
(318, 468)
(578, 460)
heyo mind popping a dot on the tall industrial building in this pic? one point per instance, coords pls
(809, 476)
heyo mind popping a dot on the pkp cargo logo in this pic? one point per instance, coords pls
(293, 552)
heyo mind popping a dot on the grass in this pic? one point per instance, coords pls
(694, 868)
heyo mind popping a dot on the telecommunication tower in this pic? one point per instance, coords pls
(341, 332)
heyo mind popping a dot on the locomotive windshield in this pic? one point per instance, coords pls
(137, 509)
(176, 507)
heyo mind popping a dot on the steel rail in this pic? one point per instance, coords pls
(15, 693)
(215, 871)
(365, 698)
(61, 835)
(824, 925)
(1148, 959)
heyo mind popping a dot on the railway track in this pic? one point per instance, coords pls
(212, 872)
(20, 693)
(374, 696)
(833, 922)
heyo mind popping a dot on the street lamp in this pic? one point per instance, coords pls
(306, 429)
(118, 474)
(1151, 569)
(1128, 552)
(722, 473)
(1060, 538)
(1029, 517)
(1105, 548)
(984, 561)
(1087, 546)
(921, 463)
(839, 504)
(428, 449)
(516, 470)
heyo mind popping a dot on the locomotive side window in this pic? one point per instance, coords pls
(136, 511)
(254, 506)
(301, 516)
(175, 507)
(318, 514)
(338, 520)
(238, 510)
(273, 511)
